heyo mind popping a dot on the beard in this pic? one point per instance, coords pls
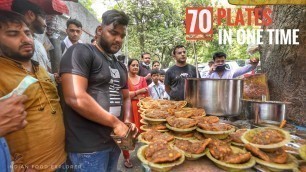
(38, 29)
(106, 46)
(9, 53)
(181, 61)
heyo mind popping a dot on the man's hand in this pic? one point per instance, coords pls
(254, 61)
(120, 129)
(212, 68)
(134, 130)
(12, 114)
(57, 78)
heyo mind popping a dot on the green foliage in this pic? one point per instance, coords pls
(157, 26)
(87, 4)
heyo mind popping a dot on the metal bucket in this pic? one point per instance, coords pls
(264, 112)
(219, 97)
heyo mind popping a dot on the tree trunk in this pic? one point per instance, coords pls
(285, 65)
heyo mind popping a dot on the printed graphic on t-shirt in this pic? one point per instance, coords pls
(114, 73)
(184, 75)
(115, 100)
(114, 87)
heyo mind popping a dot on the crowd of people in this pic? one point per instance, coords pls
(42, 131)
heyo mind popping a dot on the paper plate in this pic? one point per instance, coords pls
(191, 156)
(237, 144)
(180, 137)
(302, 152)
(141, 139)
(216, 134)
(291, 164)
(249, 134)
(143, 121)
(144, 128)
(232, 167)
(159, 167)
(153, 120)
(179, 129)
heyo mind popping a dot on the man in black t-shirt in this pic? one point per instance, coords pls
(175, 75)
(97, 97)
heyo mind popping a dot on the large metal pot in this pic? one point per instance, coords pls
(220, 97)
(270, 112)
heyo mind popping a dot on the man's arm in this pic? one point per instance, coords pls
(128, 117)
(168, 89)
(74, 89)
(242, 70)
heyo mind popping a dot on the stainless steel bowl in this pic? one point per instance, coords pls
(219, 97)
(269, 112)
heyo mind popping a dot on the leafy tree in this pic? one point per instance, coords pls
(87, 4)
(157, 26)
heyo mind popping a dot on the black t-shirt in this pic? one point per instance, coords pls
(106, 79)
(144, 71)
(175, 78)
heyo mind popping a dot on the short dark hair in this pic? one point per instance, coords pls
(162, 72)
(75, 22)
(155, 61)
(116, 17)
(22, 6)
(218, 55)
(144, 53)
(7, 17)
(154, 71)
(131, 61)
(177, 47)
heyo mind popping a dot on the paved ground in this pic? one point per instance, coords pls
(136, 163)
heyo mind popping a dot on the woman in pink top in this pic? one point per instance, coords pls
(138, 89)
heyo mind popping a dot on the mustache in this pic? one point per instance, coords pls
(26, 44)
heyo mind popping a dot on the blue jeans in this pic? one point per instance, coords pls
(102, 161)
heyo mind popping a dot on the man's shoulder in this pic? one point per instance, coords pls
(191, 66)
(81, 48)
(171, 69)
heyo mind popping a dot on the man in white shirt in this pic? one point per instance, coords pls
(219, 70)
(156, 90)
(74, 32)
